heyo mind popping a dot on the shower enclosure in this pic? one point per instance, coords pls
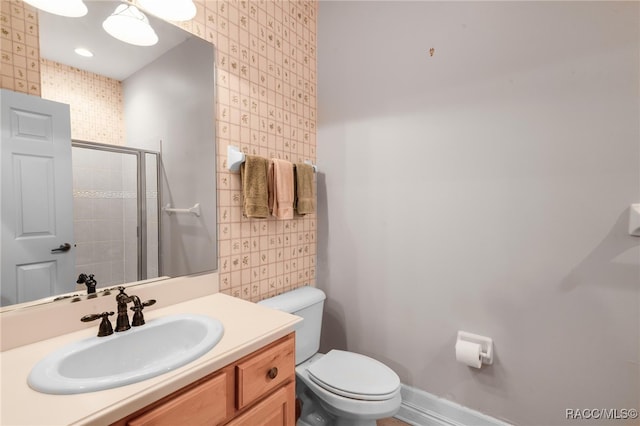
(116, 203)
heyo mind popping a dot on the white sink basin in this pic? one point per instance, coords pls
(99, 363)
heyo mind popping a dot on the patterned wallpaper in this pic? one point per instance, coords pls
(97, 108)
(266, 71)
(20, 48)
(266, 105)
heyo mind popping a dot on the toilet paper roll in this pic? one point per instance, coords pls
(469, 353)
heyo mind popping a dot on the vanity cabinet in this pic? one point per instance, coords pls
(276, 410)
(203, 403)
(258, 389)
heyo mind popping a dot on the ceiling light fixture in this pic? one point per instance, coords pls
(130, 25)
(170, 10)
(83, 52)
(69, 8)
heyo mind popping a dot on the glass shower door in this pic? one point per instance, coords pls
(115, 192)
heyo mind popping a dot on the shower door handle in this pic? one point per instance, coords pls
(63, 248)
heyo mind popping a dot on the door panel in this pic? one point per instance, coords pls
(31, 126)
(36, 199)
(35, 281)
(33, 186)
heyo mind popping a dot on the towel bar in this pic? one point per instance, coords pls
(194, 210)
(235, 157)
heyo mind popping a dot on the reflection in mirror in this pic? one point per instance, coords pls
(143, 131)
(115, 212)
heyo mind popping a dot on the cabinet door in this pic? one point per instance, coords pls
(265, 371)
(276, 410)
(204, 404)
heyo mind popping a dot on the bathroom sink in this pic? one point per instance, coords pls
(99, 363)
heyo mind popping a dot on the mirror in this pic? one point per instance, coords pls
(143, 157)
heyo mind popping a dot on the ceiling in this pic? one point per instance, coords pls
(59, 36)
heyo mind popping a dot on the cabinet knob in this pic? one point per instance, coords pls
(273, 373)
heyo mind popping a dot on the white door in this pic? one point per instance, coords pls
(38, 255)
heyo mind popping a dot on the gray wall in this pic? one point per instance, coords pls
(485, 188)
(169, 108)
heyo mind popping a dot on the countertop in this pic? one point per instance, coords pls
(248, 327)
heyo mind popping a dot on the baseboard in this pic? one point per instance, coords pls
(420, 408)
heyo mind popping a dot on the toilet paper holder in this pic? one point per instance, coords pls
(486, 343)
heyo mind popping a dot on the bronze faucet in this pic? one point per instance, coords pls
(122, 320)
(89, 281)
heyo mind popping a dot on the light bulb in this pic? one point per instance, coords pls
(83, 52)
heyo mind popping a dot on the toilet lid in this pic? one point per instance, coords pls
(354, 376)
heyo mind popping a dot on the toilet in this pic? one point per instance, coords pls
(338, 388)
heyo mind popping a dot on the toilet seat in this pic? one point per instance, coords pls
(354, 376)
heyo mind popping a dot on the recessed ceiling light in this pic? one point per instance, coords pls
(70, 8)
(130, 25)
(84, 52)
(170, 10)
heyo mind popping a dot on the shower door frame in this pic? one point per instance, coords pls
(141, 188)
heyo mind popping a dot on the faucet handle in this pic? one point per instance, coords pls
(149, 302)
(140, 306)
(138, 318)
(105, 328)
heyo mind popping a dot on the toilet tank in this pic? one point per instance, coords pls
(305, 302)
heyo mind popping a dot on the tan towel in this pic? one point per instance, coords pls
(305, 199)
(281, 192)
(253, 173)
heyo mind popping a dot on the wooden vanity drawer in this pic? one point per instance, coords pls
(278, 409)
(265, 371)
(205, 403)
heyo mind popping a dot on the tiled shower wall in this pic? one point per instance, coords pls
(105, 215)
(266, 105)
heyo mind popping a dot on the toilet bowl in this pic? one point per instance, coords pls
(353, 394)
(338, 388)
